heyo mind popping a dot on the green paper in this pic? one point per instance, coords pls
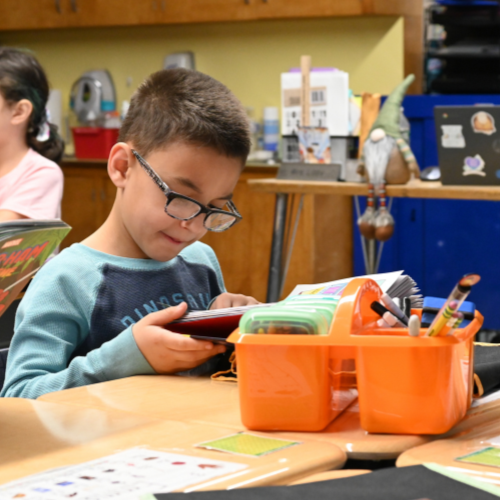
(487, 456)
(464, 478)
(247, 444)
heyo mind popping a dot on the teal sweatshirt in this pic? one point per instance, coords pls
(74, 325)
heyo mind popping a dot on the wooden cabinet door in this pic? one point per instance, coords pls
(141, 12)
(199, 11)
(120, 13)
(80, 205)
(33, 14)
(269, 9)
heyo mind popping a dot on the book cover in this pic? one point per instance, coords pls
(25, 245)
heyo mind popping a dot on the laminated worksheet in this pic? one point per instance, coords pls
(127, 475)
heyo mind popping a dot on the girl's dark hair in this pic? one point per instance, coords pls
(22, 77)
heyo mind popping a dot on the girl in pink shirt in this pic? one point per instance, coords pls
(31, 183)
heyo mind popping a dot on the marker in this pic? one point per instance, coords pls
(392, 320)
(414, 326)
(390, 304)
(382, 323)
(440, 324)
(407, 306)
(386, 314)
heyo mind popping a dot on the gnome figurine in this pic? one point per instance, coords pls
(387, 158)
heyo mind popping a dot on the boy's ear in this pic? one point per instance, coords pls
(119, 160)
(21, 112)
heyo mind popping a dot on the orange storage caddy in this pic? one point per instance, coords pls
(406, 385)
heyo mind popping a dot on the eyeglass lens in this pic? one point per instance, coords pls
(219, 222)
(183, 209)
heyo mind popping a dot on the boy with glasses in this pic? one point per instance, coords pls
(100, 310)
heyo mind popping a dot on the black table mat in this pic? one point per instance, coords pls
(406, 483)
(487, 366)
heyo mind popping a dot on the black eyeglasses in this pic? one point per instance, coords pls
(182, 207)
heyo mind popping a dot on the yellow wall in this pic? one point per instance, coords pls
(247, 56)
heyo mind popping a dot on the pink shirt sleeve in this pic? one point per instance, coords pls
(34, 188)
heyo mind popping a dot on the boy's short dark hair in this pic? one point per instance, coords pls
(183, 105)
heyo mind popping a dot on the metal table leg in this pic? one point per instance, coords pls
(274, 282)
(291, 243)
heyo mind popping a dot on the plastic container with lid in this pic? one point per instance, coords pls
(318, 299)
(323, 301)
(325, 311)
(284, 321)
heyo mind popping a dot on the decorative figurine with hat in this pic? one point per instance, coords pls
(387, 159)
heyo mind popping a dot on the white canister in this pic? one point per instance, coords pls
(54, 107)
(271, 128)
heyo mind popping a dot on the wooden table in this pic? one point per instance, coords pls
(37, 436)
(413, 189)
(202, 401)
(445, 451)
(331, 474)
(283, 188)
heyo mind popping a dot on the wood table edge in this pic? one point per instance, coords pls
(415, 189)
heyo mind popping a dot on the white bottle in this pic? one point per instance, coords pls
(271, 128)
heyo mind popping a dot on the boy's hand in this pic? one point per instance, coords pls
(232, 300)
(169, 352)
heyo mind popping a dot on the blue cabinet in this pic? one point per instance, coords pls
(436, 241)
